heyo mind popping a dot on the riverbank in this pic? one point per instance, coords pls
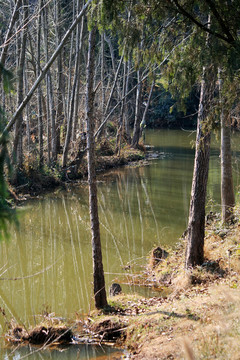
(198, 319)
(32, 182)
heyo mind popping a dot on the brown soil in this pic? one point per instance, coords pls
(40, 335)
(109, 329)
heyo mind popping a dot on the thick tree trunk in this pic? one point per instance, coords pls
(196, 224)
(98, 274)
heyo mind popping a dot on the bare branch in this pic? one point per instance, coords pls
(47, 67)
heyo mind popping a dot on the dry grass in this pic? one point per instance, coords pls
(201, 317)
(202, 324)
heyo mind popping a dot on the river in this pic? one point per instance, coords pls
(46, 266)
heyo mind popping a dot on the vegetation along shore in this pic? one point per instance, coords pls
(81, 81)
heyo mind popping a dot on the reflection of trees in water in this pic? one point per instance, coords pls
(54, 239)
(72, 352)
(135, 206)
(49, 261)
(132, 214)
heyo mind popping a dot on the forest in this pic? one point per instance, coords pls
(83, 86)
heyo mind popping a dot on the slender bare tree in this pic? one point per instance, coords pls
(98, 273)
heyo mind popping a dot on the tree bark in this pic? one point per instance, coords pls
(72, 98)
(69, 83)
(13, 20)
(102, 77)
(60, 82)
(196, 224)
(17, 143)
(77, 95)
(28, 116)
(98, 273)
(126, 110)
(50, 97)
(143, 122)
(120, 121)
(227, 190)
(136, 129)
(39, 92)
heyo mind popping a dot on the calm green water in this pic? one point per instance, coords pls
(47, 265)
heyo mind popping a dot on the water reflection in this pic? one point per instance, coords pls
(72, 352)
(47, 265)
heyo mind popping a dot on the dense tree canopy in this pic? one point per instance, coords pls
(179, 27)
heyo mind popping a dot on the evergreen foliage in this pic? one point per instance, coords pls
(179, 29)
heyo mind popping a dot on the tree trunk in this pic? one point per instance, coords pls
(60, 83)
(17, 143)
(28, 116)
(126, 111)
(50, 96)
(72, 97)
(102, 76)
(77, 95)
(227, 190)
(12, 22)
(98, 274)
(120, 122)
(143, 122)
(70, 64)
(136, 129)
(196, 224)
(39, 92)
